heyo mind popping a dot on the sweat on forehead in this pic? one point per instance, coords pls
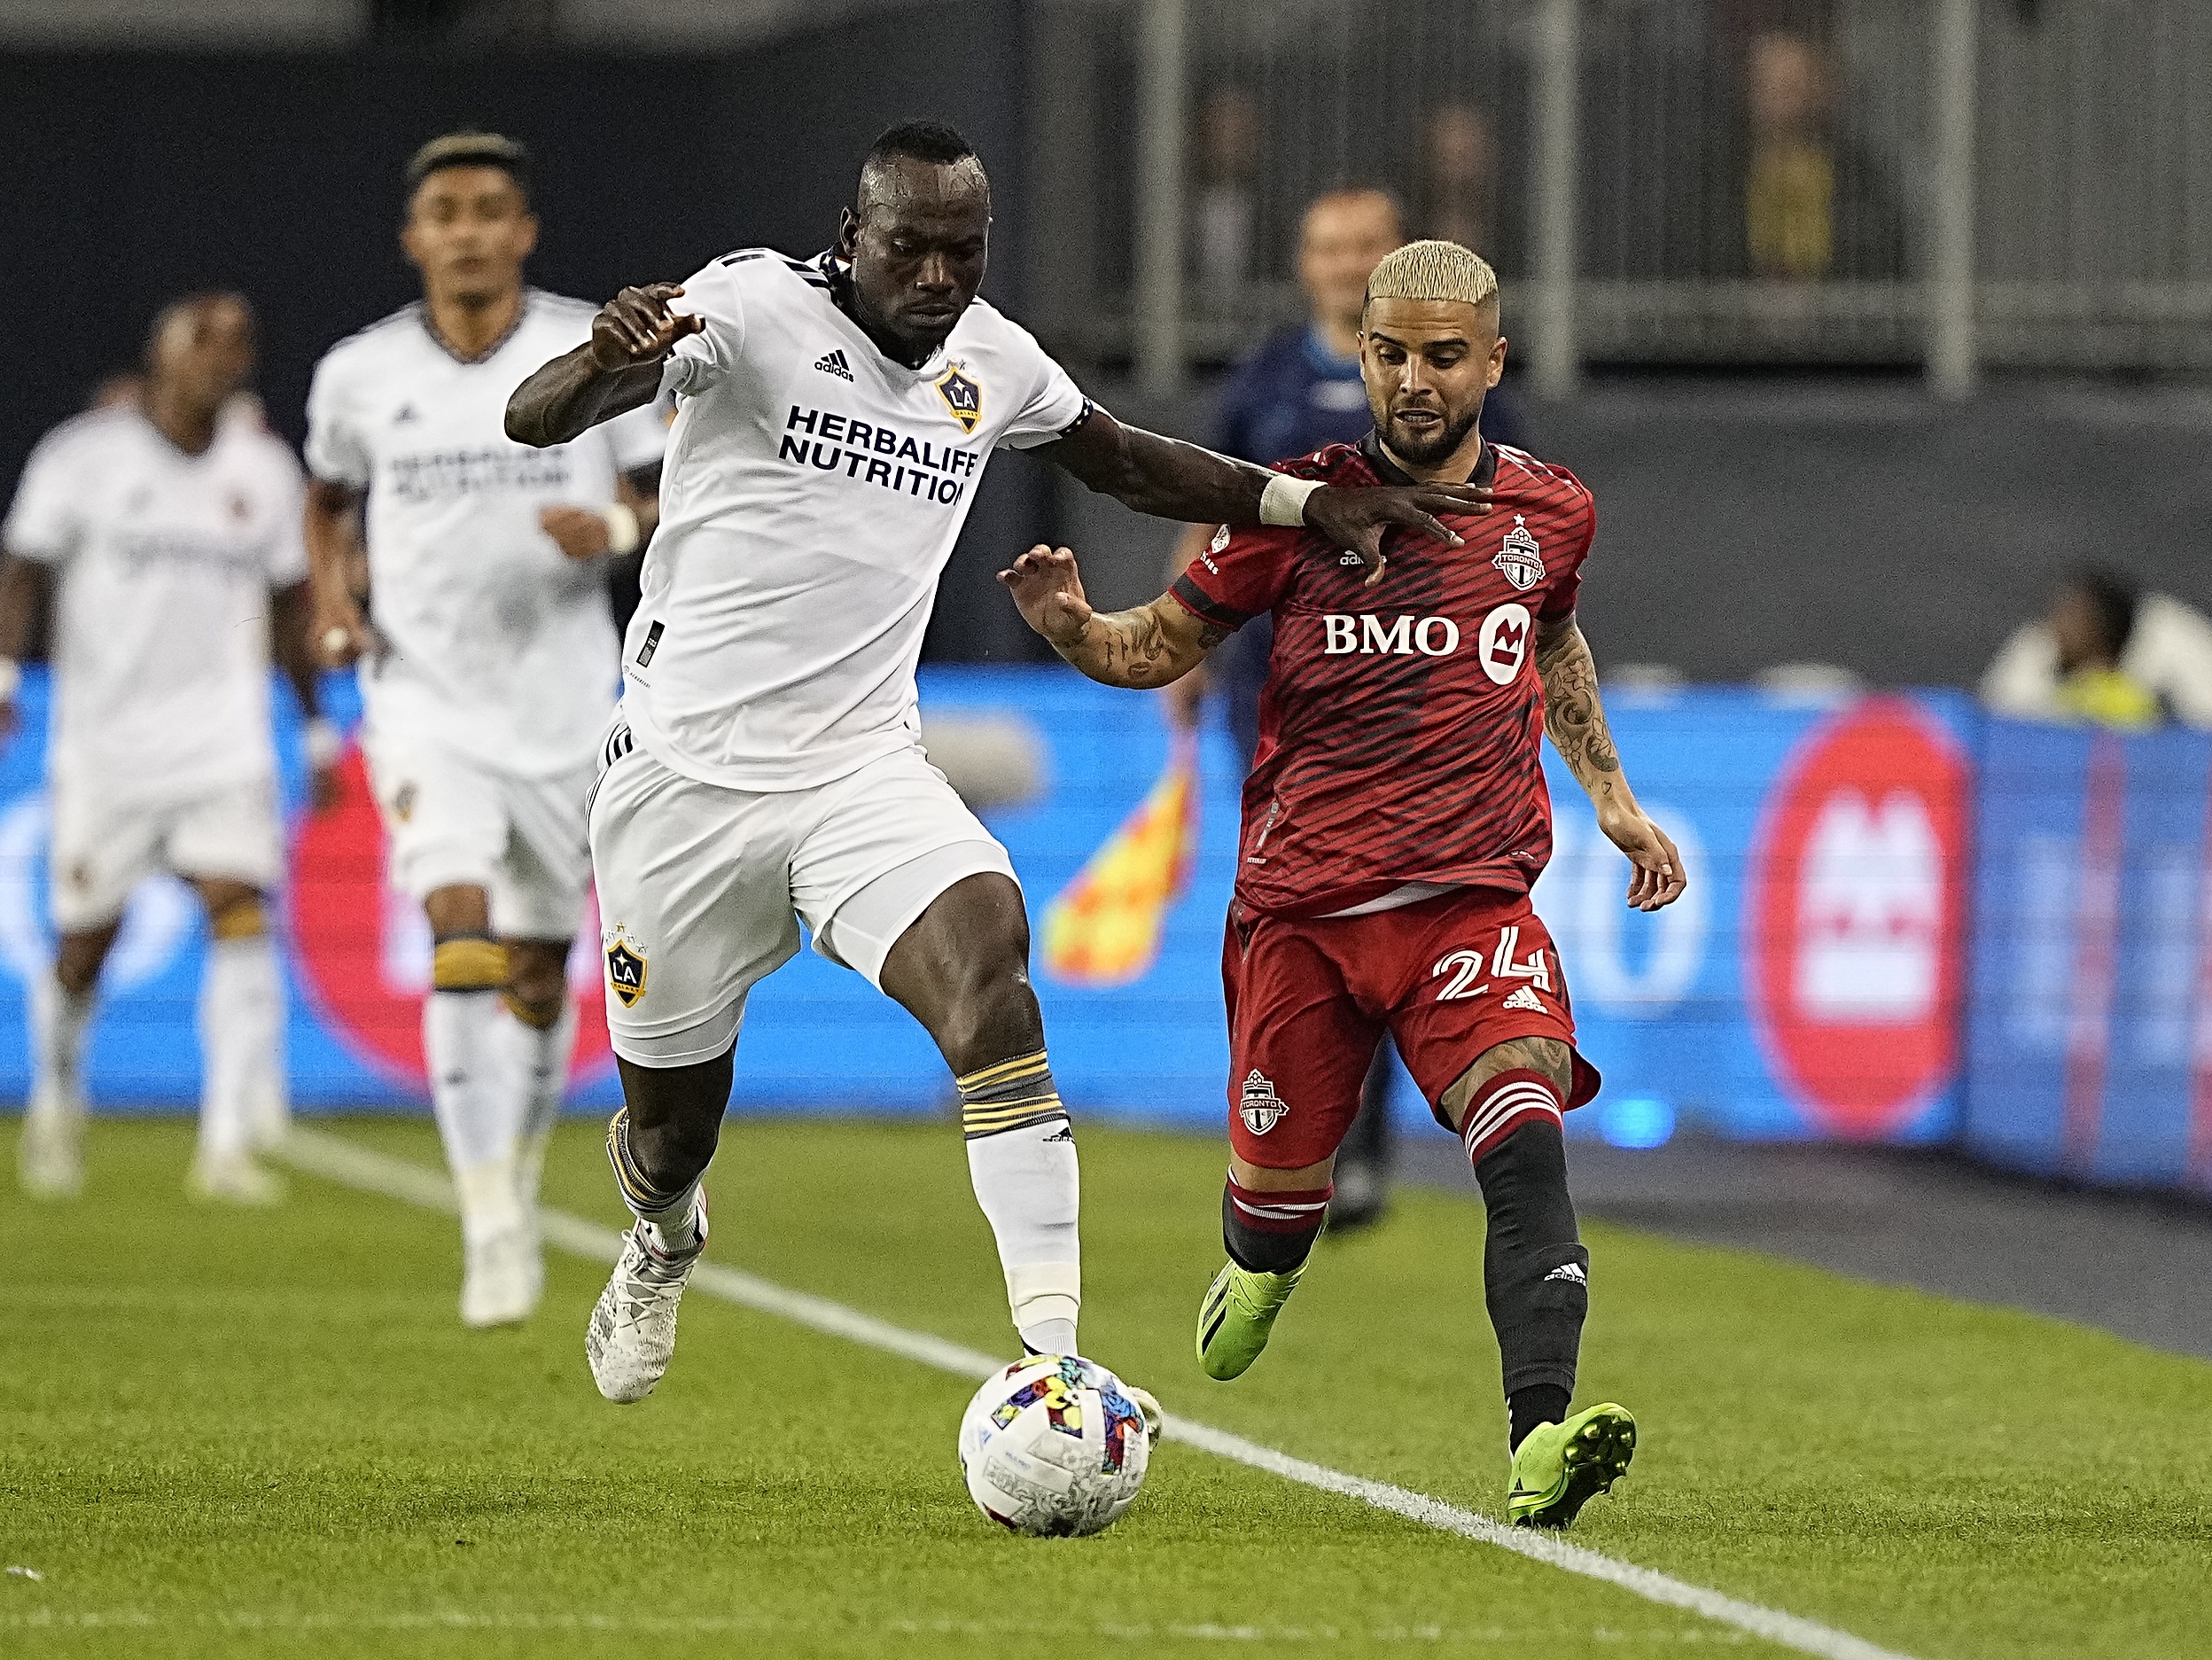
(905, 181)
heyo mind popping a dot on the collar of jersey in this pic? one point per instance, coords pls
(522, 314)
(840, 275)
(1389, 472)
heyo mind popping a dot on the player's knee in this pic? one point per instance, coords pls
(79, 958)
(537, 985)
(468, 965)
(990, 1011)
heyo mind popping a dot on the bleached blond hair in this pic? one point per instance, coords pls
(1433, 271)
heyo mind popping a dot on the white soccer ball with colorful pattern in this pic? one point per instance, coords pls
(1053, 1445)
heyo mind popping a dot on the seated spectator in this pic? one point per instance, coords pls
(1815, 205)
(2107, 654)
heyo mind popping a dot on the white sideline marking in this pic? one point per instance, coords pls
(356, 1166)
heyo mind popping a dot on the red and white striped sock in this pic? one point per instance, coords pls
(1503, 1103)
(1271, 1232)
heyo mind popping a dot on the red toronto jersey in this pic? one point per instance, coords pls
(1401, 725)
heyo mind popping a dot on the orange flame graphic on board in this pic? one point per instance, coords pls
(1103, 929)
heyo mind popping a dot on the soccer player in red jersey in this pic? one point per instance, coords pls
(1395, 821)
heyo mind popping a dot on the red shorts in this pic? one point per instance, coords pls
(1448, 977)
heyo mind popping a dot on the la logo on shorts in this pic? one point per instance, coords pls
(1263, 1108)
(626, 971)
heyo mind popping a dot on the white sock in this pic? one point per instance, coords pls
(1026, 1182)
(241, 1041)
(478, 1109)
(538, 1059)
(59, 1020)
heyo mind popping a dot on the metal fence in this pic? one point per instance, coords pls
(2023, 183)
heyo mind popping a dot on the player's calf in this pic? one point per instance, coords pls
(632, 1336)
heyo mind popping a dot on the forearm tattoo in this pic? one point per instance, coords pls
(1572, 714)
(1130, 648)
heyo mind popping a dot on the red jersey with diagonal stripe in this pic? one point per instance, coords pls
(1401, 725)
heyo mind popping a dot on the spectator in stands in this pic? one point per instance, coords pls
(1225, 210)
(2107, 654)
(1459, 179)
(1299, 391)
(1814, 203)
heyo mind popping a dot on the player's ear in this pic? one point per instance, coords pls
(1496, 362)
(529, 233)
(848, 232)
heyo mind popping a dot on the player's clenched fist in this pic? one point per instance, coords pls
(1048, 592)
(636, 326)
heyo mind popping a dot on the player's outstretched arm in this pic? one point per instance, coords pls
(1147, 646)
(1575, 718)
(1172, 479)
(616, 371)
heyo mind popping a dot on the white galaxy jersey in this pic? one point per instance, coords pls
(163, 563)
(813, 493)
(499, 645)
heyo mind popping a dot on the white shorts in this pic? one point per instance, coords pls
(699, 884)
(103, 849)
(450, 820)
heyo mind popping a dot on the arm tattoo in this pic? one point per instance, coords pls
(1130, 648)
(1572, 714)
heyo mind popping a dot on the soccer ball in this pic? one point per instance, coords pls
(1053, 1445)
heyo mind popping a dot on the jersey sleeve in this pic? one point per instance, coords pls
(704, 359)
(337, 453)
(1052, 404)
(287, 557)
(1239, 575)
(1563, 590)
(43, 523)
(639, 438)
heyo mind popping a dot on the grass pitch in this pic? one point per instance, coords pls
(232, 1434)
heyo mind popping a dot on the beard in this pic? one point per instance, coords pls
(1426, 452)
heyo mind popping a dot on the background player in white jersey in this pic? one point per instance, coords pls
(834, 418)
(159, 533)
(487, 663)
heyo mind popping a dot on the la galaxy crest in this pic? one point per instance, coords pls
(1519, 558)
(962, 396)
(626, 970)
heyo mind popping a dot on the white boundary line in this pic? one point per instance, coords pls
(353, 1165)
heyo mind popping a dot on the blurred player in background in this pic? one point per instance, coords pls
(1394, 825)
(835, 416)
(159, 527)
(488, 665)
(1298, 393)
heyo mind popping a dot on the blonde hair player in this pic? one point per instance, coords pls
(1395, 821)
(165, 530)
(487, 663)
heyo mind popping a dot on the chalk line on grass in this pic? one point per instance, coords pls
(353, 1165)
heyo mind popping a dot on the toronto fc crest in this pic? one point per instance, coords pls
(1263, 1108)
(1519, 558)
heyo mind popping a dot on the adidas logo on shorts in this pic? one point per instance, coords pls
(1526, 999)
(833, 363)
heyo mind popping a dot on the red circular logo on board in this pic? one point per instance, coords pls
(364, 949)
(1855, 932)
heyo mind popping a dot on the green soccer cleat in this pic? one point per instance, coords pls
(1239, 1311)
(1561, 1467)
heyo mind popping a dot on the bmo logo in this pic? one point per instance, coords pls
(1401, 636)
(1503, 645)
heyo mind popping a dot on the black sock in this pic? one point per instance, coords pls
(1535, 1272)
(1525, 1408)
(1269, 1232)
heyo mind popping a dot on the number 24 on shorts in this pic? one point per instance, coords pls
(1463, 966)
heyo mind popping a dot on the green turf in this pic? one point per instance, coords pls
(233, 1435)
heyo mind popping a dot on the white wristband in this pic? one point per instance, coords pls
(623, 531)
(10, 679)
(324, 744)
(1283, 501)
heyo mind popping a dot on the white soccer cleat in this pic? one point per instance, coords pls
(502, 1279)
(633, 1332)
(233, 1179)
(50, 1159)
(1148, 1407)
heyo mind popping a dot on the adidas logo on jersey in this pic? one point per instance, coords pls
(833, 363)
(1526, 999)
(1348, 558)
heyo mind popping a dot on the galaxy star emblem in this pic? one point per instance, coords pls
(962, 396)
(1519, 558)
(626, 971)
(1263, 1108)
